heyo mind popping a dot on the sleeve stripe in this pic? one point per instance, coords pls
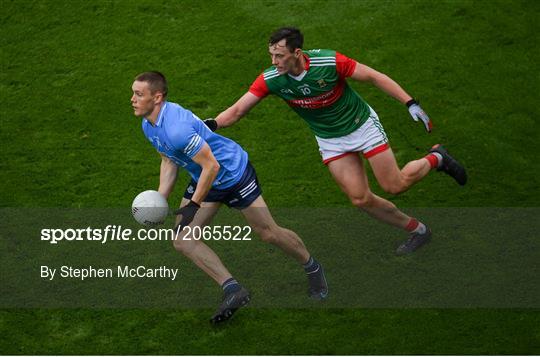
(271, 74)
(270, 77)
(192, 144)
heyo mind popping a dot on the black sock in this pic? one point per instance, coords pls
(230, 286)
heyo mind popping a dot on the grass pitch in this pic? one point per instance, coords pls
(69, 139)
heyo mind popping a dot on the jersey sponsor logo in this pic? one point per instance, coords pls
(319, 101)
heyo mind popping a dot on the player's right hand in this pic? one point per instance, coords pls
(418, 113)
(188, 212)
(211, 124)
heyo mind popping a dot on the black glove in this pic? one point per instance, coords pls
(211, 124)
(188, 212)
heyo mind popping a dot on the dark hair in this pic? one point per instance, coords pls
(292, 35)
(156, 81)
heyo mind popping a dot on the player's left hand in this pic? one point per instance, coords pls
(418, 113)
(188, 212)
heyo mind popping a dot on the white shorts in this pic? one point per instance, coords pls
(369, 139)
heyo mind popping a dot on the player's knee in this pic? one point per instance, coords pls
(362, 200)
(267, 233)
(393, 187)
(183, 246)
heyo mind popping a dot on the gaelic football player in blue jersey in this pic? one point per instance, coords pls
(220, 173)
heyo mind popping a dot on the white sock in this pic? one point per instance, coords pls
(421, 229)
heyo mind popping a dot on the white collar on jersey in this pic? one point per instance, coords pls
(298, 77)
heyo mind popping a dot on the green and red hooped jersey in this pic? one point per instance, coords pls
(320, 95)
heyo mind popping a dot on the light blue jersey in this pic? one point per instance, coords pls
(180, 135)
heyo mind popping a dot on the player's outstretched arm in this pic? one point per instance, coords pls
(232, 114)
(167, 176)
(364, 73)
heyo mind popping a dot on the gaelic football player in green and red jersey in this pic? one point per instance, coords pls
(313, 83)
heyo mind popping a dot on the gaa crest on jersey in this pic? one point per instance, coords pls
(322, 83)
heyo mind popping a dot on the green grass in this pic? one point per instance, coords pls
(298, 332)
(69, 139)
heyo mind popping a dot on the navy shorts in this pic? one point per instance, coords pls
(238, 196)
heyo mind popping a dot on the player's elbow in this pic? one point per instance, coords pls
(214, 167)
(210, 169)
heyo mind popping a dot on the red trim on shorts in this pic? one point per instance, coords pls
(376, 150)
(334, 158)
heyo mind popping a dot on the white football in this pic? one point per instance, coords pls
(150, 208)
